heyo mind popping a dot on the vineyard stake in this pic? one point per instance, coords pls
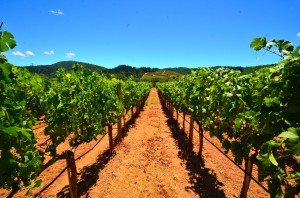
(191, 131)
(124, 121)
(132, 112)
(138, 108)
(247, 178)
(183, 122)
(140, 105)
(119, 118)
(166, 103)
(200, 138)
(110, 138)
(72, 173)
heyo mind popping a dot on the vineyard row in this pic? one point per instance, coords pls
(255, 116)
(75, 106)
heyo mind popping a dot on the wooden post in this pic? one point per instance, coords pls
(138, 107)
(247, 177)
(132, 112)
(200, 139)
(143, 103)
(119, 118)
(124, 121)
(183, 122)
(110, 138)
(177, 115)
(191, 133)
(72, 173)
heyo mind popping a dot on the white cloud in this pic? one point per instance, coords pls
(18, 53)
(51, 52)
(29, 53)
(58, 12)
(298, 34)
(26, 54)
(70, 55)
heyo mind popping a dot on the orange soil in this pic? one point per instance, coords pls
(152, 161)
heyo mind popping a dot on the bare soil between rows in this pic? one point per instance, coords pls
(153, 160)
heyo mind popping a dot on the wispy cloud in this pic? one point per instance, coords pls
(58, 12)
(70, 55)
(51, 52)
(298, 34)
(18, 53)
(29, 53)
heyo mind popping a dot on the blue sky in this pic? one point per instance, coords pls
(152, 33)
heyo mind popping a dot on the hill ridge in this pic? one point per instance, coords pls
(125, 71)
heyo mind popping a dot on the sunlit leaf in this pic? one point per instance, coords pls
(258, 43)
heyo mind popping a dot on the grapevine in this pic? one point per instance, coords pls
(19, 159)
(250, 114)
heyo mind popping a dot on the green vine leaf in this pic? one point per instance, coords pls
(292, 133)
(6, 41)
(35, 184)
(258, 43)
(293, 140)
(297, 49)
(3, 59)
(272, 159)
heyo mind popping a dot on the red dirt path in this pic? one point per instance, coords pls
(152, 161)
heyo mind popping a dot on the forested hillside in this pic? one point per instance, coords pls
(126, 71)
(49, 70)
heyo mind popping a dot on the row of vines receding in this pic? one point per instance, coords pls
(75, 106)
(252, 115)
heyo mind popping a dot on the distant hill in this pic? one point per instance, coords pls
(49, 70)
(180, 70)
(129, 71)
(126, 71)
(122, 71)
(161, 75)
(243, 70)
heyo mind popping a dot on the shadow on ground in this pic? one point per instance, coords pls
(204, 181)
(90, 174)
(131, 122)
